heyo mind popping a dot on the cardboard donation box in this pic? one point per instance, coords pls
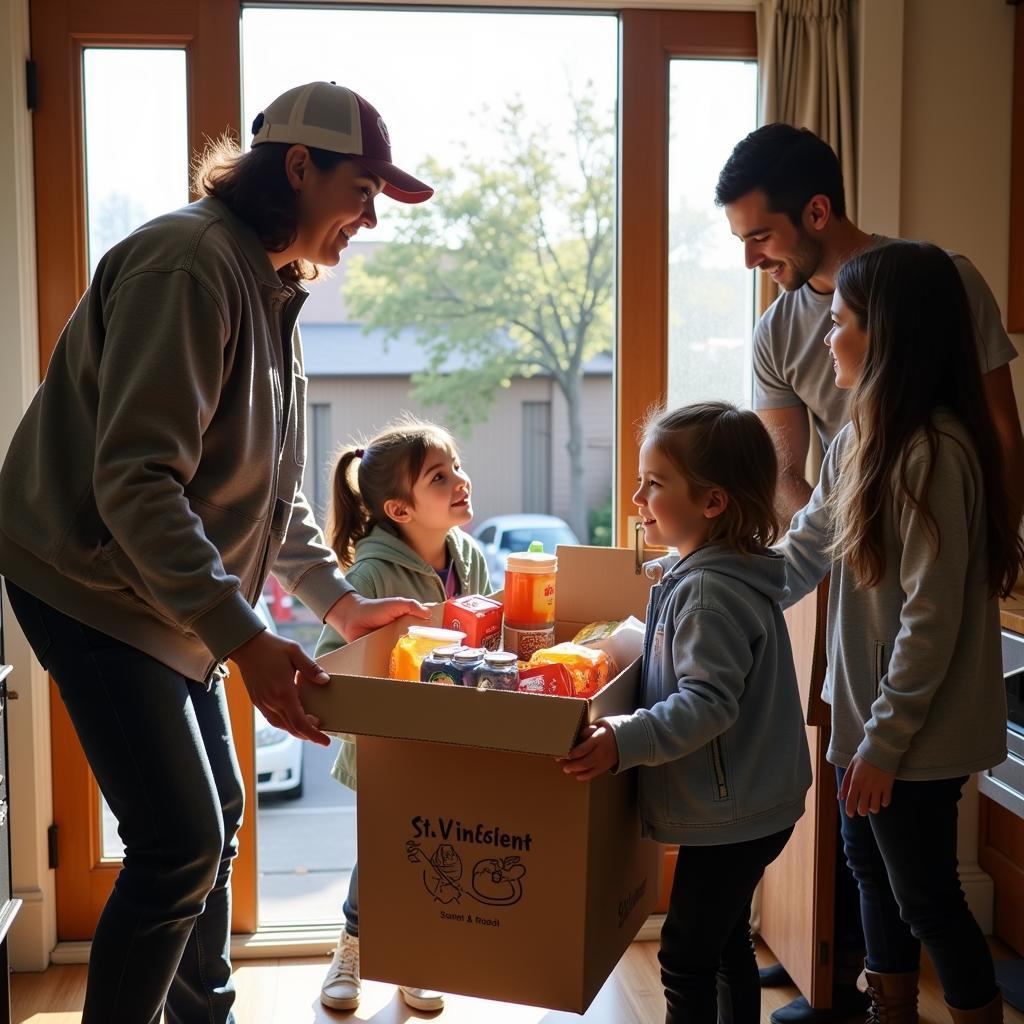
(484, 869)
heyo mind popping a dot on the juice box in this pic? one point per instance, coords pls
(478, 617)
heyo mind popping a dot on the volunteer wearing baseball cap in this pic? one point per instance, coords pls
(151, 486)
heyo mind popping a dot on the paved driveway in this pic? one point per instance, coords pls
(307, 846)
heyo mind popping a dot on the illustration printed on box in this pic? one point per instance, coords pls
(493, 881)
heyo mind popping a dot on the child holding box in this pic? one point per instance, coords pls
(720, 736)
(396, 528)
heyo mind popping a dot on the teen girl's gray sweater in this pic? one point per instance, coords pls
(914, 664)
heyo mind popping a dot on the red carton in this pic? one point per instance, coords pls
(551, 679)
(478, 617)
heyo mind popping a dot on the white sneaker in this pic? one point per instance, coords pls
(422, 998)
(341, 988)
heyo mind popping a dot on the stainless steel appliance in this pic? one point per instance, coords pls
(1005, 783)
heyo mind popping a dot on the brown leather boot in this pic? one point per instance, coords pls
(893, 998)
(990, 1013)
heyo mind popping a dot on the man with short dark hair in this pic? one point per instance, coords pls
(782, 190)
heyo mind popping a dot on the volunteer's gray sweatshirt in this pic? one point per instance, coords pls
(155, 479)
(914, 664)
(720, 737)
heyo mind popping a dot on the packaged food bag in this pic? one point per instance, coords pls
(623, 642)
(408, 654)
(588, 667)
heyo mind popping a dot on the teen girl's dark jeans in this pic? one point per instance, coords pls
(904, 860)
(160, 747)
(707, 958)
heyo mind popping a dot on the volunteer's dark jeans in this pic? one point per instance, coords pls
(904, 860)
(707, 954)
(160, 747)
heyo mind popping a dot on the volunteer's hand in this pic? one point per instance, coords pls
(269, 665)
(354, 615)
(865, 789)
(595, 754)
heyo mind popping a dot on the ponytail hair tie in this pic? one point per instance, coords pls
(359, 453)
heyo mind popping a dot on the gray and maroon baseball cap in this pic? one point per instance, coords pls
(328, 116)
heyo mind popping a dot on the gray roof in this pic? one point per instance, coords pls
(344, 350)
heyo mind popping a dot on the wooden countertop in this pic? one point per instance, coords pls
(1011, 611)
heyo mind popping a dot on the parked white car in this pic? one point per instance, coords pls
(500, 535)
(278, 753)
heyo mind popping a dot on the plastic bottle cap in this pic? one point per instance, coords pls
(535, 562)
(536, 545)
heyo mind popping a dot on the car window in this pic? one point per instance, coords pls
(549, 536)
(486, 536)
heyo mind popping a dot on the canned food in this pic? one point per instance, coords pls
(527, 640)
(465, 663)
(499, 671)
(437, 666)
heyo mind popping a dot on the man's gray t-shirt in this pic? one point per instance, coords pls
(793, 366)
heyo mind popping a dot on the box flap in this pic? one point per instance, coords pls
(620, 697)
(492, 719)
(598, 584)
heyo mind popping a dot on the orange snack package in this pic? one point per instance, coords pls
(588, 668)
(408, 654)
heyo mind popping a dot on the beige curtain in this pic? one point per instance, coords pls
(803, 53)
(803, 62)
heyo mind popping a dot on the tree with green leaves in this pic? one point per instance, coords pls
(508, 271)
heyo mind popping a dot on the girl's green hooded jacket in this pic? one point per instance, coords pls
(385, 566)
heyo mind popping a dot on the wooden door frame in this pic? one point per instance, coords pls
(649, 40)
(208, 31)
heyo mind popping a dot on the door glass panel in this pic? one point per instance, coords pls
(712, 105)
(135, 105)
(519, 243)
(134, 102)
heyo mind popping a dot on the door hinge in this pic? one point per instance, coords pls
(823, 954)
(51, 845)
(31, 86)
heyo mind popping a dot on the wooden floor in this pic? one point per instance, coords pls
(276, 991)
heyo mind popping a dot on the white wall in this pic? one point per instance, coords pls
(957, 91)
(934, 98)
(28, 721)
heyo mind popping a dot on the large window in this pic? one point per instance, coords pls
(489, 309)
(712, 104)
